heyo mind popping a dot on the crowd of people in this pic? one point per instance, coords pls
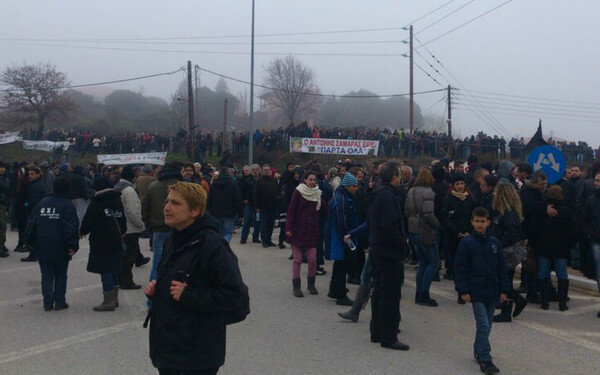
(392, 143)
(467, 222)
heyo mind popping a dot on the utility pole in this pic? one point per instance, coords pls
(411, 98)
(224, 143)
(190, 110)
(450, 139)
(196, 96)
(251, 127)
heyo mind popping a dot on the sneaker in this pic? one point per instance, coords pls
(48, 308)
(242, 241)
(256, 241)
(460, 301)
(281, 246)
(488, 367)
(321, 271)
(344, 301)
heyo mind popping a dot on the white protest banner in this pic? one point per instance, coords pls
(48, 146)
(8, 137)
(158, 158)
(334, 146)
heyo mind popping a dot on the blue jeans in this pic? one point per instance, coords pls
(226, 227)
(109, 280)
(54, 282)
(483, 318)
(441, 241)
(158, 240)
(249, 215)
(560, 267)
(429, 260)
(595, 246)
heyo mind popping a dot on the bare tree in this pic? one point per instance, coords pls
(293, 87)
(36, 91)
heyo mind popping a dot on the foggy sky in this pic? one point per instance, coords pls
(534, 48)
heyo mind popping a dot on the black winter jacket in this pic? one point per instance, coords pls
(4, 189)
(246, 184)
(507, 229)
(225, 199)
(386, 221)
(480, 269)
(591, 216)
(557, 235)
(56, 229)
(189, 334)
(35, 193)
(266, 193)
(534, 210)
(105, 238)
(456, 215)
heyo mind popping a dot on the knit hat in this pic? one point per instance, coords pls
(349, 180)
(457, 177)
(128, 173)
(102, 183)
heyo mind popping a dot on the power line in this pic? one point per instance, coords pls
(208, 43)
(512, 103)
(217, 52)
(570, 115)
(446, 16)
(535, 98)
(316, 94)
(466, 23)
(518, 114)
(105, 82)
(427, 73)
(433, 11)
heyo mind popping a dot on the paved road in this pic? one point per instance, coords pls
(283, 335)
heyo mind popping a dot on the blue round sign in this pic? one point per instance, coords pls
(549, 159)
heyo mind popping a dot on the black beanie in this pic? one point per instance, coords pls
(102, 183)
(456, 177)
(128, 173)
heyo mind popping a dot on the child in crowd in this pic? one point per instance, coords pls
(480, 277)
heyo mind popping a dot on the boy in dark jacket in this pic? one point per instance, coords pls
(55, 241)
(480, 276)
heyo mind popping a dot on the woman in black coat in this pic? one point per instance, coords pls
(198, 282)
(556, 236)
(507, 228)
(36, 191)
(456, 217)
(105, 222)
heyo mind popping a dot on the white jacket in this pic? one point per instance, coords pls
(133, 209)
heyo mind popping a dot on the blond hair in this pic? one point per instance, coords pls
(507, 199)
(194, 195)
(424, 178)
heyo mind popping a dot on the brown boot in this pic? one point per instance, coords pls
(109, 302)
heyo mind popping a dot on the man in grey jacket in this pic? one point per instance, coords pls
(135, 225)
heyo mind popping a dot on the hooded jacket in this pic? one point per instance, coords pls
(504, 175)
(152, 206)
(189, 334)
(132, 206)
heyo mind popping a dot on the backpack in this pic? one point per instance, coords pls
(240, 312)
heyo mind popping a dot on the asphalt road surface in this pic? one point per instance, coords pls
(283, 334)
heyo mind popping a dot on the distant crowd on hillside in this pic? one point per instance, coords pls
(392, 143)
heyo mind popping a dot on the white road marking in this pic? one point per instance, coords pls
(38, 297)
(36, 266)
(59, 344)
(563, 335)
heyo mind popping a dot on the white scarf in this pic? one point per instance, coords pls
(310, 194)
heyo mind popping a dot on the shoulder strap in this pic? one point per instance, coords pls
(112, 214)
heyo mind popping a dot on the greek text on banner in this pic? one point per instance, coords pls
(157, 158)
(334, 146)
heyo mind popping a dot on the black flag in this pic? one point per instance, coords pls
(536, 140)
